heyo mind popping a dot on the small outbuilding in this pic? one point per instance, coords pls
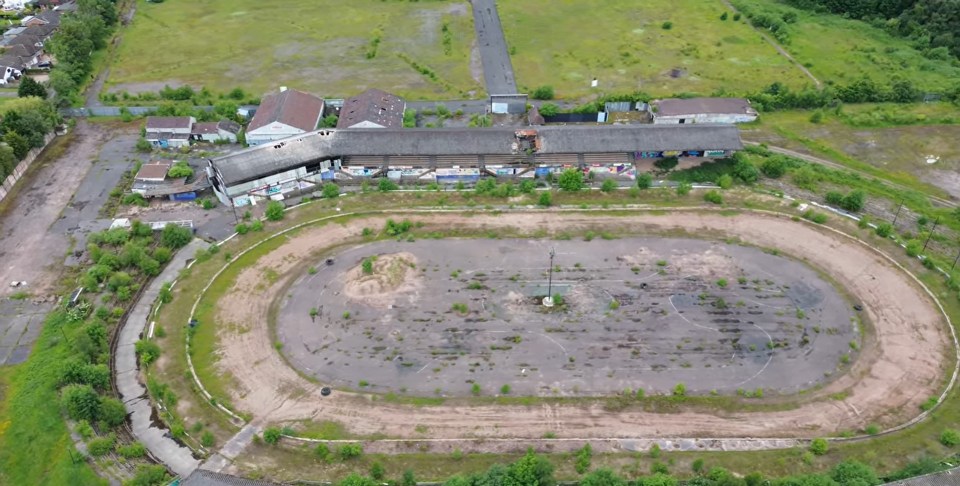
(223, 130)
(153, 172)
(372, 109)
(702, 110)
(169, 131)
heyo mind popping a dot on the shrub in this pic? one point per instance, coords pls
(208, 203)
(322, 451)
(132, 451)
(101, 446)
(834, 197)
(723, 16)
(549, 109)
(950, 437)
(725, 181)
(81, 402)
(667, 163)
(241, 228)
(207, 439)
(162, 255)
(570, 180)
(174, 236)
(350, 451)
(367, 266)
(386, 185)
(666, 25)
(584, 457)
(680, 390)
(884, 230)
(683, 189)
(257, 225)
(148, 351)
(274, 211)
(644, 181)
(774, 167)
(150, 475)
(853, 201)
(546, 200)
(713, 197)
(542, 93)
(134, 199)
(527, 186)
(143, 145)
(819, 446)
(475, 389)
(505, 390)
(376, 471)
(271, 435)
(609, 185)
(331, 190)
(745, 171)
(913, 248)
(112, 411)
(394, 228)
(95, 375)
(697, 466)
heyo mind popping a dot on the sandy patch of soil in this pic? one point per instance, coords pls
(902, 362)
(392, 276)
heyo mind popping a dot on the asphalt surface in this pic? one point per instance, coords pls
(20, 323)
(497, 68)
(133, 393)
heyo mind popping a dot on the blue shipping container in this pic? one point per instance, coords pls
(184, 196)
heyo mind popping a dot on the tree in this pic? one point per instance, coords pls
(81, 402)
(18, 143)
(531, 470)
(180, 169)
(175, 236)
(745, 171)
(8, 161)
(570, 180)
(603, 477)
(543, 93)
(609, 185)
(30, 87)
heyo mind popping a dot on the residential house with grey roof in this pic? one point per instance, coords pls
(283, 115)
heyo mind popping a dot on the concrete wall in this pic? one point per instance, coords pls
(22, 167)
(703, 118)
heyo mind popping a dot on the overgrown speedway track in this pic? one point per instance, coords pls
(877, 384)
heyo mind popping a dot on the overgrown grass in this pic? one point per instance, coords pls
(35, 445)
(301, 47)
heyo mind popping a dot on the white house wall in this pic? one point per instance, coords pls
(703, 118)
(271, 132)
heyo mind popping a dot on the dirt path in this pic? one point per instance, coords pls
(29, 249)
(776, 45)
(901, 366)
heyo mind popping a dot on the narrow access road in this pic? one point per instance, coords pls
(497, 68)
(776, 45)
(133, 394)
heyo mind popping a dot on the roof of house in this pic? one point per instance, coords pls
(21, 50)
(290, 107)
(202, 477)
(694, 106)
(375, 106)
(42, 31)
(229, 126)
(203, 128)
(168, 122)
(15, 31)
(12, 61)
(28, 40)
(153, 170)
(296, 151)
(51, 17)
(950, 477)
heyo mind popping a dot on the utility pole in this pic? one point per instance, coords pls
(897, 215)
(548, 300)
(935, 223)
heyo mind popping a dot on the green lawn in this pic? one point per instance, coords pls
(315, 45)
(840, 50)
(566, 43)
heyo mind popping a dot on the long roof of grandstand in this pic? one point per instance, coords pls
(300, 150)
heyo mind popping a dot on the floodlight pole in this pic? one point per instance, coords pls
(550, 275)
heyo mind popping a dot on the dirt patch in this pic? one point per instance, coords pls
(897, 372)
(389, 277)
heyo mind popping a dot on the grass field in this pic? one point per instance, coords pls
(315, 45)
(840, 50)
(895, 140)
(622, 43)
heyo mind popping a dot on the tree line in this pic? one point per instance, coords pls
(81, 34)
(24, 125)
(933, 24)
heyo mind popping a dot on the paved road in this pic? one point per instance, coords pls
(133, 394)
(497, 69)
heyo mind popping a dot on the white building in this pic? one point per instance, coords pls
(702, 110)
(215, 131)
(169, 131)
(284, 115)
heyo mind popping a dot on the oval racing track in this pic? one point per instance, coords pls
(900, 367)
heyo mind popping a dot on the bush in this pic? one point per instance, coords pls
(271, 435)
(386, 185)
(683, 189)
(774, 167)
(584, 457)
(819, 446)
(745, 171)
(274, 211)
(549, 109)
(241, 228)
(148, 351)
(134, 199)
(667, 163)
(570, 180)
(257, 225)
(543, 93)
(666, 25)
(207, 439)
(95, 375)
(101, 446)
(950, 437)
(174, 236)
(162, 255)
(680, 390)
(376, 471)
(149, 475)
(853, 201)
(81, 402)
(143, 145)
(132, 451)
(546, 200)
(112, 411)
(609, 185)
(644, 181)
(331, 190)
(884, 230)
(713, 197)
(725, 181)
(350, 451)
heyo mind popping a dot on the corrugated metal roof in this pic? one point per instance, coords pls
(695, 106)
(296, 151)
(202, 477)
(291, 107)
